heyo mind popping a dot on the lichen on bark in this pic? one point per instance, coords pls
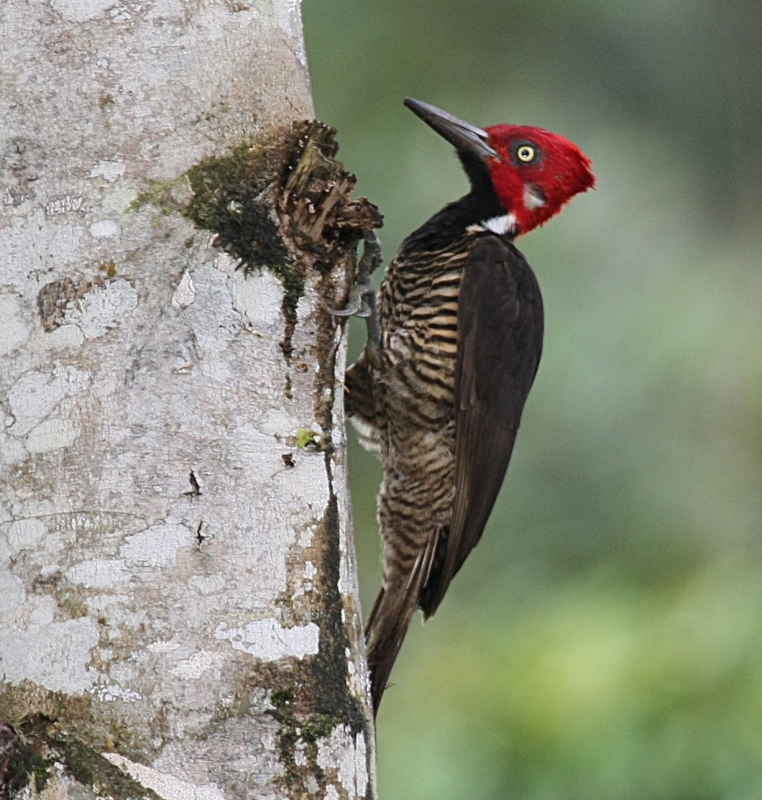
(282, 205)
(39, 751)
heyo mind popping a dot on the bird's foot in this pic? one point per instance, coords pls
(362, 297)
(361, 302)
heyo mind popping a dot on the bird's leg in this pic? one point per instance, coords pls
(362, 297)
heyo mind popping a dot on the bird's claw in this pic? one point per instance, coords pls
(362, 297)
(360, 302)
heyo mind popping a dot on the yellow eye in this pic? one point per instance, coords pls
(526, 153)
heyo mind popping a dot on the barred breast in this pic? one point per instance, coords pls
(415, 386)
(419, 320)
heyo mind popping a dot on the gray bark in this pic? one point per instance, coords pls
(178, 605)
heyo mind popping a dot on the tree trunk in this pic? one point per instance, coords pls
(178, 605)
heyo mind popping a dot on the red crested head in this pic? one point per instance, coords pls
(533, 172)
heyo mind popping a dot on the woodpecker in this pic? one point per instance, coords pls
(451, 355)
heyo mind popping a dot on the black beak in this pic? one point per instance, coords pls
(467, 138)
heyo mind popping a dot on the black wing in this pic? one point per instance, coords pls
(500, 328)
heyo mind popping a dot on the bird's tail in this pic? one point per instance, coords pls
(390, 618)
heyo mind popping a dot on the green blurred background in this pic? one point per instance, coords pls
(605, 638)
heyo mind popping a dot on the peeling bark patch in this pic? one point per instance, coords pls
(62, 654)
(54, 298)
(96, 305)
(113, 692)
(315, 202)
(103, 308)
(268, 640)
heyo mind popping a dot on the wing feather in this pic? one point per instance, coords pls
(500, 329)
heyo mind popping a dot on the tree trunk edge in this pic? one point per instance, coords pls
(53, 737)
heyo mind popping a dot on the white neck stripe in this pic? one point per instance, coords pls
(500, 225)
